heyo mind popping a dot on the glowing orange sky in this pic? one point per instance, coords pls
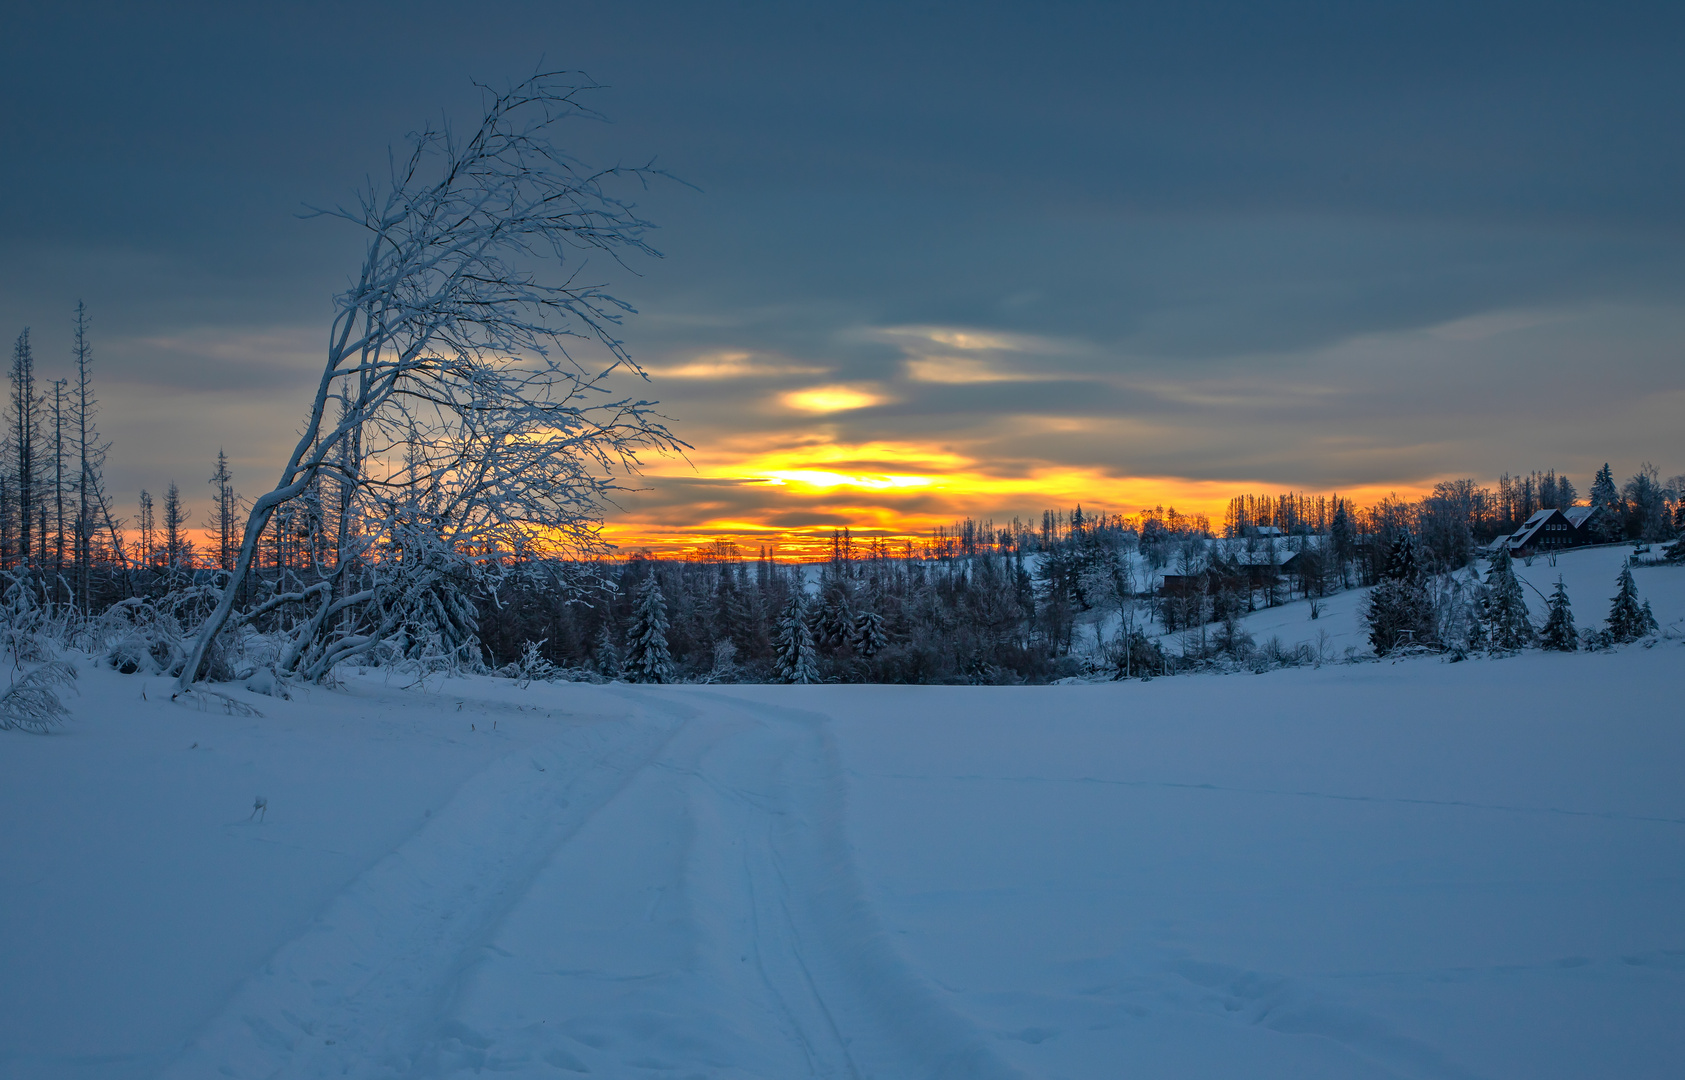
(891, 491)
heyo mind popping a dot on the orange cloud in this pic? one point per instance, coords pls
(793, 496)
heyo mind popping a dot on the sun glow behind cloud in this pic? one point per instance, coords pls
(822, 480)
(828, 399)
(791, 498)
(987, 425)
(732, 365)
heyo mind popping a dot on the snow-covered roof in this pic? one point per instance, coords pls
(1520, 537)
(1577, 515)
(1539, 516)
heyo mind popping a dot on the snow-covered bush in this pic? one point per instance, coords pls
(27, 628)
(532, 666)
(31, 702)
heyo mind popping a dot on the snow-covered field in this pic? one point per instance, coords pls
(1412, 869)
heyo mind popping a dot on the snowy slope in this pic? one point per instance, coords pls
(1589, 575)
(1416, 869)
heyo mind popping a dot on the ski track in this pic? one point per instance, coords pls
(345, 997)
(670, 896)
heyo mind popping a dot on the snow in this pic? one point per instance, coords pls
(1588, 573)
(1410, 869)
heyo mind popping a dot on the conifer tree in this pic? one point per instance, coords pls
(1604, 493)
(647, 658)
(1400, 607)
(798, 662)
(1627, 620)
(1342, 540)
(836, 612)
(608, 654)
(1476, 635)
(1559, 633)
(1508, 627)
(869, 636)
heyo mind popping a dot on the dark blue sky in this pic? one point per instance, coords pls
(1307, 245)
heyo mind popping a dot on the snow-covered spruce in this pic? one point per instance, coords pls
(1400, 609)
(1559, 634)
(1628, 619)
(647, 658)
(1508, 627)
(797, 658)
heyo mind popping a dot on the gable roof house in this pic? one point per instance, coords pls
(1554, 529)
(1594, 523)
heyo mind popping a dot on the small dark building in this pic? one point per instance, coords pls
(1550, 530)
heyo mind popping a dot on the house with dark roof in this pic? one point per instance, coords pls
(1550, 530)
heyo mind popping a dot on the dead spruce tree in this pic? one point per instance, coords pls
(452, 428)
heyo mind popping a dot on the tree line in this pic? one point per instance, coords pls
(1029, 601)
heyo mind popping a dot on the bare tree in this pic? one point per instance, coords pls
(24, 409)
(59, 386)
(93, 508)
(227, 510)
(454, 425)
(148, 530)
(178, 548)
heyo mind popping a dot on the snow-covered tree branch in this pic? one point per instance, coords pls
(452, 427)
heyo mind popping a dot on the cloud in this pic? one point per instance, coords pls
(954, 355)
(732, 365)
(217, 359)
(960, 369)
(918, 340)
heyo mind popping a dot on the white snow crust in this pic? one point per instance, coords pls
(1410, 869)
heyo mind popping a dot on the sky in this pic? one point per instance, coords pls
(929, 261)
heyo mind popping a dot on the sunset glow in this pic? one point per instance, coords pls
(792, 498)
(825, 399)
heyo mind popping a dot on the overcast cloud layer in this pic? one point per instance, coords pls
(961, 259)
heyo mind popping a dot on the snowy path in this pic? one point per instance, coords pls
(353, 990)
(682, 894)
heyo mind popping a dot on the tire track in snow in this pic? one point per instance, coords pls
(348, 996)
(766, 960)
(876, 1014)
